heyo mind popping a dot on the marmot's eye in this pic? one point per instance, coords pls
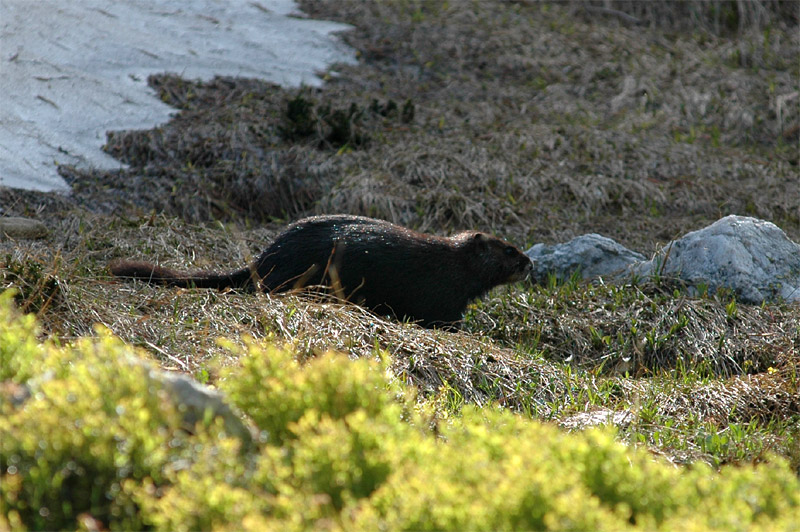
(510, 251)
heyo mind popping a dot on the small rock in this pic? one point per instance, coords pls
(194, 400)
(12, 227)
(752, 257)
(593, 255)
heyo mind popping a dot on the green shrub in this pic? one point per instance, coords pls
(97, 441)
(20, 353)
(276, 391)
(93, 420)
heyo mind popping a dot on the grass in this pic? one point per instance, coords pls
(538, 122)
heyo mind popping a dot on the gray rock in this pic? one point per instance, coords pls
(593, 255)
(11, 227)
(196, 401)
(752, 257)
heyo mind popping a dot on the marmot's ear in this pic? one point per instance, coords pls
(480, 239)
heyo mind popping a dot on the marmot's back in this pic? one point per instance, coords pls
(374, 263)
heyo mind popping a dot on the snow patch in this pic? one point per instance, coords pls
(70, 71)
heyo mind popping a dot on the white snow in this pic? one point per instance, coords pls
(70, 70)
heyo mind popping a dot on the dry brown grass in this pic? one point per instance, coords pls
(720, 17)
(529, 121)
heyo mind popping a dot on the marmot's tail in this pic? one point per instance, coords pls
(151, 273)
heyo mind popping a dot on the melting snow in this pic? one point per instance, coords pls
(72, 70)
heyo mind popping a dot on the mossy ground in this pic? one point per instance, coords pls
(536, 121)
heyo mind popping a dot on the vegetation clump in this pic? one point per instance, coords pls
(336, 128)
(36, 289)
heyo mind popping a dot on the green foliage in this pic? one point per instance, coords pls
(342, 447)
(20, 354)
(35, 289)
(275, 392)
(299, 119)
(93, 421)
(336, 128)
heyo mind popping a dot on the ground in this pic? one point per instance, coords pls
(535, 121)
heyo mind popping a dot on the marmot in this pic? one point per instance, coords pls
(382, 266)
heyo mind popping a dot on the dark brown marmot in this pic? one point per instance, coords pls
(382, 266)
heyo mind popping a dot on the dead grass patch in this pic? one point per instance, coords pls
(719, 17)
(528, 121)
